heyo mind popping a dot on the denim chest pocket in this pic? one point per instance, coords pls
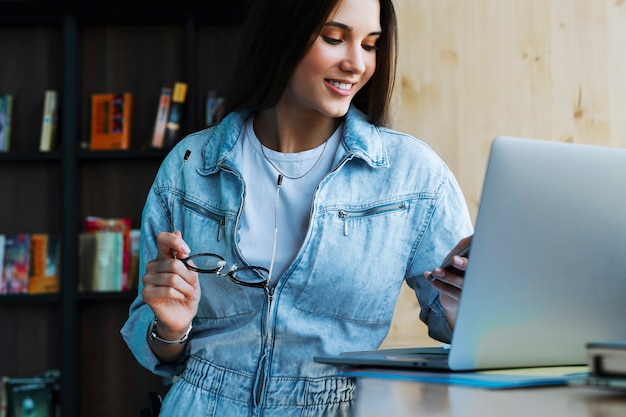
(221, 298)
(223, 301)
(360, 263)
(211, 224)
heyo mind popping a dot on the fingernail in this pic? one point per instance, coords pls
(184, 248)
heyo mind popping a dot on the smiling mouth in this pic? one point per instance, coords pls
(341, 86)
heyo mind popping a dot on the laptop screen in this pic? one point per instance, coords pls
(546, 274)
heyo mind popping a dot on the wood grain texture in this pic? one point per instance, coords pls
(469, 71)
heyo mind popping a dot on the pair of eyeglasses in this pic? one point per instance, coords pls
(210, 263)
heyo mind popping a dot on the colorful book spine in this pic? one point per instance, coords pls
(6, 115)
(32, 396)
(111, 121)
(162, 115)
(123, 226)
(172, 131)
(101, 255)
(16, 271)
(47, 141)
(108, 261)
(45, 249)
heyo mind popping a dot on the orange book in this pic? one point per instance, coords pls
(110, 121)
(45, 251)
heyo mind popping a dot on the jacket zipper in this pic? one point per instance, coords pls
(345, 215)
(201, 210)
(260, 381)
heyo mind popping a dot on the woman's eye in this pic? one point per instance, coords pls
(370, 48)
(331, 41)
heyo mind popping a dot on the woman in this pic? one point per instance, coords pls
(310, 214)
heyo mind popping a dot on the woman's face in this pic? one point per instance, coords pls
(340, 62)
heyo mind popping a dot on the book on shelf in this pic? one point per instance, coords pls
(108, 260)
(47, 141)
(111, 121)
(32, 396)
(122, 226)
(45, 251)
(160, 124)
(175, 117)
(16, 267)
(100, 262)
(6, 116)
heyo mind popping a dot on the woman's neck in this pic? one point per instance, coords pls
(289, 131)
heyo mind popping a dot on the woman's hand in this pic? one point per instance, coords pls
(170, 289)
(449, 281)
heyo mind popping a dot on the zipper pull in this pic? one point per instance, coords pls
(344, 216)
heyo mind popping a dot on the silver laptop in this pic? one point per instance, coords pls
(547, 269)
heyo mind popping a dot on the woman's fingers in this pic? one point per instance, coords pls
(169, 278)
(172, 245)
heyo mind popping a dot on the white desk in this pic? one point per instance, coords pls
(392, 398)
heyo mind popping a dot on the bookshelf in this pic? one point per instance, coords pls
(80, 49)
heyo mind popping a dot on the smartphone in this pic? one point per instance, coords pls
(447, 262)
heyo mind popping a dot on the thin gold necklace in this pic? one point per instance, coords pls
(319, 158)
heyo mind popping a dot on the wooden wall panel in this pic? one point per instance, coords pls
(471, 70)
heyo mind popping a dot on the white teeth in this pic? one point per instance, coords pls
(341, 86)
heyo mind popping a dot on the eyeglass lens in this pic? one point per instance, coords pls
(208, 263)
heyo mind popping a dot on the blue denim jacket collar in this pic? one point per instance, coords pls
(356, 128)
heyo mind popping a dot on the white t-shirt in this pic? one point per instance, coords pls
(263, 212)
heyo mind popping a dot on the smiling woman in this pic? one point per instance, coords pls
(342, 58)
(300, 178)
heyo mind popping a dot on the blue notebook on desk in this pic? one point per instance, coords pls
(546, 271)
(523, 378)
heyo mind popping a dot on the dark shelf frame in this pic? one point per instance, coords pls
(70, 18)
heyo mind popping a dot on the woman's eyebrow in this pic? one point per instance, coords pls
(348, 28)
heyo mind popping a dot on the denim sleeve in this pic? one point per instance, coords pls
(450, 222)
(135, 334)
(135, 330)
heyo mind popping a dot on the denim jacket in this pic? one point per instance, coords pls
(387, 211)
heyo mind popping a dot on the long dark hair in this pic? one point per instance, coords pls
(278, 34)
